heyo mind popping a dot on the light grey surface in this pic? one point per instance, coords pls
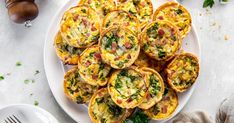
(26, 45)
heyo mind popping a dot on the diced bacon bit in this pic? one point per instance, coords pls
(119, 35)
(75, 18)
(88, 63)
(161, 32)
(119, 101)
(100, 94)
(117, 58)
(164, 109)
(172, 42)
(113, 47)
(172, 31)
(98, 56)
(129, 100)
(129, 56)
(94, 76)
(89, 1)
(143, 3)
(93, 28)
(167, 99)
(128, 45)
(84, 21)
(160, 18)
(88, 34)
(127, 24)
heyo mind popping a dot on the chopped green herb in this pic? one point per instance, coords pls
(36, 72)
(79, 100)
(26, 81)
(1, 78)
(209, 3)
(99, 100)
(178, 11)
(36, 103)
(161, 54)
(83, 10)
(18, 63)
(138, 117)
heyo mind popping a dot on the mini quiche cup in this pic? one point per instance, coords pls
(92, 68)
(67, 54)
(119, 47)
(176, 14)
(102, 109)
(102, 7)
(121, 18)
(143, 60)
(160, 40)
(183, 71)
(142, 9)
(127, 87)
(76, 88)
(155, 88)
(164, 108)
(80, 26)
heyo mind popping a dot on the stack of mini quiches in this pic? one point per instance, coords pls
(120, 51)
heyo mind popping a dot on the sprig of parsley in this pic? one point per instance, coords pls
(209, 3)
(138, 117)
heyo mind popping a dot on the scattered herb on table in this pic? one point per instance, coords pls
(208, 3)
(36, 103)
(18, 64)
(27, 81)
(138, 117)
(1, 78)
(36, 72)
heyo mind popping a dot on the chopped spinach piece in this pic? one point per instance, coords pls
(161, 54)
(209, 3)
(1, 78)
(99, 100)
(178, 11)
(18, 64)
(138, 117)
(83, 10)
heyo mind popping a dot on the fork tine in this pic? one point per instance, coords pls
(9, 120)
(16, 118)
(5, 121)
(13, 120)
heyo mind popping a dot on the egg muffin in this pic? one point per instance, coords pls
(176, 14)
(92, 68)
(160, 40)
(102, 109)
(143, 60)
(119, 47)
(155, 89)
(164, 108)
(142, 9)
(67, 54)
(183, 71)
(80, 26)
(102, 7)
(76, 88)
(122, 18)
(127, 87)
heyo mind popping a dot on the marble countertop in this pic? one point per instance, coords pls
(215, 30)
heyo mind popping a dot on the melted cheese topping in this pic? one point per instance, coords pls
(142, 9)
(176, 14)
(183, 71)
(127, 88)
(92, 68)
(155, 89)
(121, 18)
(68, 54)
(80, 26)
(76, 88)
(160, 40)
(103, 110)
(102, 7)
(164, 108)
(119, 47)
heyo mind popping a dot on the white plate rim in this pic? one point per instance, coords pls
(190, 91)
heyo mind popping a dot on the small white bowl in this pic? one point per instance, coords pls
(27, 114)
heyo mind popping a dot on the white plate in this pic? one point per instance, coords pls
(55, 70)
(27, 114)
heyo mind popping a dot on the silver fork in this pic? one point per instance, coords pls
(12, 119)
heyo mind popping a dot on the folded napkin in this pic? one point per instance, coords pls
(224, 114)
(194, 117)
